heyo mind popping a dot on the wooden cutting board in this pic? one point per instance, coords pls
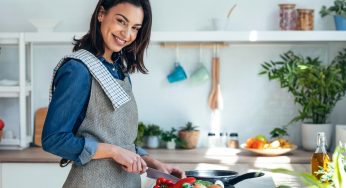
(40, 117)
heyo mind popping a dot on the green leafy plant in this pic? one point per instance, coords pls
(152, 130)
(338, 8)
(335, 176)
(188, 127)
(140, 134)
(168, 136)
(278, 132)
(316, 87)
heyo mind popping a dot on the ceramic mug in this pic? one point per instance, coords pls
(178, 74)
(200, 75)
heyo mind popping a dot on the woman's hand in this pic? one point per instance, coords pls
(175, 171)
(130, 161)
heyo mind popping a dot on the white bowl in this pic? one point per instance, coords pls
(269, 152)
(44, 25)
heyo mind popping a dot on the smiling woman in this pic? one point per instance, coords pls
(92, 117)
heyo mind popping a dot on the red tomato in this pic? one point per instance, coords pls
(180, 183)
(2, 124)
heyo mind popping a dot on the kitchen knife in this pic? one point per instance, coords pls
(154, 174)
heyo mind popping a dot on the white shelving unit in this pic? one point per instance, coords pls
(21, 91)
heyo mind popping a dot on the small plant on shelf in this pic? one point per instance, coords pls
(140, 134)
(189, 135)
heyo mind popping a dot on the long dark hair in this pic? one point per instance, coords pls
(133, 54)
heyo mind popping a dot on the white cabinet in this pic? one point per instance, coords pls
(39, 175)
(15, 99)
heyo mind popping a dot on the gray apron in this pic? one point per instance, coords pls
(107, 124)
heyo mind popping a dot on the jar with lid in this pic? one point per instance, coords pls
(212, 140)
(305, 19)
(288, 16)
(233, 141)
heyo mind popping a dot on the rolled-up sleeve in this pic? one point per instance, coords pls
(71, 95)
(140, 151)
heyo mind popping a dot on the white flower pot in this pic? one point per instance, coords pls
(340, 134)
(309, 135)
(153, 142)
(170, 144)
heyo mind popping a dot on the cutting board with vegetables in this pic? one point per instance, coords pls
(40, 117)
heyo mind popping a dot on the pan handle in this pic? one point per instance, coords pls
(245, 176)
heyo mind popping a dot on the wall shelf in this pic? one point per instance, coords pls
(209, 36)
(13, 91)
(9, 38)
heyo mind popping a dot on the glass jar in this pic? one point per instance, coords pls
(305, 19)
(212, 140)
(288, 17)
(233, 141)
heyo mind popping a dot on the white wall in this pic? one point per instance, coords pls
(253, 105)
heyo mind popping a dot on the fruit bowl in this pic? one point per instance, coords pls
(269, 152)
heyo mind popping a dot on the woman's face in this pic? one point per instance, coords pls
(119, 26)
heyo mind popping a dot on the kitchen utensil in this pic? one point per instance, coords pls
(269, 152)
(228, 177)
(231, 10)
(212, 96)
(154, 174)
(215, 97)
(40, 117)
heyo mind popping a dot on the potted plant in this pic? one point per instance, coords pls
(170, 138)
(338, 9)
(153, 132)
(189, 135)
(315, 87)
(140, 134)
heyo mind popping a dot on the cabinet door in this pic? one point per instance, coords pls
(38, 175)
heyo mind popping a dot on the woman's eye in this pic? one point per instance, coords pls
(122, 22)
(136, 28)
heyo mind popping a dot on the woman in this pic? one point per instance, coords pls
(92, 117)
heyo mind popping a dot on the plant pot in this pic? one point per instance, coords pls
(309, 135)
(340, 134)
(153, 142)
(190, 137)
(171, 144)
(340, 23)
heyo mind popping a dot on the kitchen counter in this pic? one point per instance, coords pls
(202, 158)
(201, 155)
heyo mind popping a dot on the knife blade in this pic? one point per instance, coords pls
(154, 174)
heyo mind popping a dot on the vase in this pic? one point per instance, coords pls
(340, 23)
(171, 144)
(309, 135)
(153, 142)
(340, 134)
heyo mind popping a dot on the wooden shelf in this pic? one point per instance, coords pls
(210, 36)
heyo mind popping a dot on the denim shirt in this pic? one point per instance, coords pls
(67, 111)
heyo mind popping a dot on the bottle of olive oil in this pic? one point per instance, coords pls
(320, 158)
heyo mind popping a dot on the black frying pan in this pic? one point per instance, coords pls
(228, 177)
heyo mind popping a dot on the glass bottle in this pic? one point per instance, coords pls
(288, 16)
(233, 140)
(320, 158)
